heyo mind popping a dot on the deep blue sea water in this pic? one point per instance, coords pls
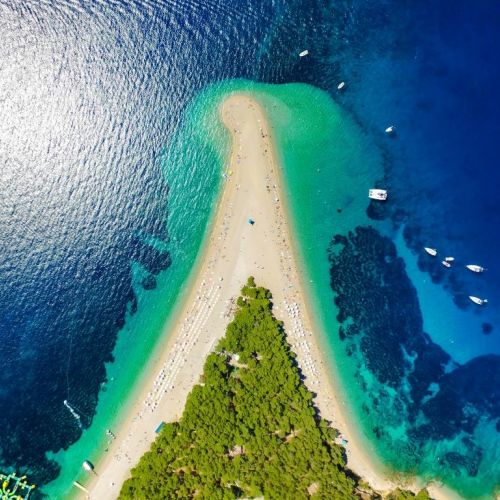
(429, 68)
(433, 72)
(91, 93)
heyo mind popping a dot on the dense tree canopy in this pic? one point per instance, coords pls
(408, 495)
(250, 428)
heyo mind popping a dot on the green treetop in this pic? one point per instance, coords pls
(250, 429)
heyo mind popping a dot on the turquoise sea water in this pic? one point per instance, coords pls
(408, 392)
(109, 176)
(303, 119)
(191, 165)
(328, 163)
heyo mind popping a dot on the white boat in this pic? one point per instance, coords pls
(474, 268)
(390, 130)
(304, 53)
(377, 194)
(341, 85)
(449, 259)
(446, 263)
(88, 466)
(431, 251)
(477, 300)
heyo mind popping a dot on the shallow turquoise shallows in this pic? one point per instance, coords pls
(303, 119)
(329, 164)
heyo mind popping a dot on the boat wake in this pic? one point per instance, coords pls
(73, 412)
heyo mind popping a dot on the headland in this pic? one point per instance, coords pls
(250, 235)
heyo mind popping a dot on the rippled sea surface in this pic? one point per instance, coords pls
(101, 216)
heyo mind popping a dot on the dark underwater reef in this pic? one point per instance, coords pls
(414, 237)
(381, 323)
(70, 342)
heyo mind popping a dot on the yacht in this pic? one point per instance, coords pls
(431, 251)
(390, 130)
(477, 300)
(377, 194)
(304, 53)
(449, 259)
(341, 85)
(474, 268)
(446, 263)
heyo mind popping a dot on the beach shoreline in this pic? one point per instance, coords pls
(330, 407)
(249, 235)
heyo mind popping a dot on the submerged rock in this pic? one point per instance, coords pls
(487, 328)
(412, 380)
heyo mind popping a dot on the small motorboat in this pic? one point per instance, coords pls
(377, 194)
(88, 466)
(449, 259)
(341, 85)
(446, 263)
(431, 251)
(304, 53)
(390, 129)
(474, 268)
(477, 300)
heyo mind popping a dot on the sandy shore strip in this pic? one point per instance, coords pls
(236, 250)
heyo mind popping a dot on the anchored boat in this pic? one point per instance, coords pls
(446, 263)
(477, 300)
(474, 268)
(390, 129)
(341, 85)
(88, 466)
(431, 251)
(304, 53)
(449, 259)
(377, 194)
